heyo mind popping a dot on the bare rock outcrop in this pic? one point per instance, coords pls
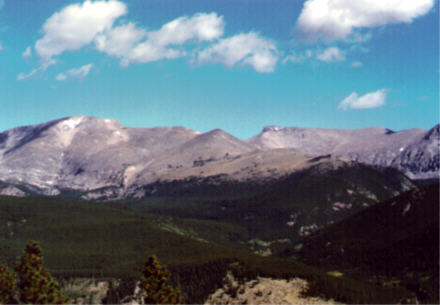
(264, 291)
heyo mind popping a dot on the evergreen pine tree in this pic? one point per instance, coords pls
(35, 284)
(7, 286)
(154, 283)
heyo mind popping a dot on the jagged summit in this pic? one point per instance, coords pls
(213, 145)
(218, 137)
(378, 146)
(84, 153)
(374, 129)
(433, 133)
(271, 128)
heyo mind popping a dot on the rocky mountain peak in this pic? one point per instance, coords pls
(433, 133)
(85, 153)
(272, 128)
(219, 140)
(216, 132)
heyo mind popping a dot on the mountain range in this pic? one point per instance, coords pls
(353, 212)
(101, 159)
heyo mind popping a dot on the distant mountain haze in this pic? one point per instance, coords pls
(85, 154)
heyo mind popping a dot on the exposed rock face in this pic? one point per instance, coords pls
(86, 290)
(81, 153)
(415, 152)
(315, 141)
(264, 291)
(421, 159)
(12, 191)
(258, 291)
(100, 158)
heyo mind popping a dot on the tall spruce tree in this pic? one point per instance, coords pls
(154, 283)
(35, 284)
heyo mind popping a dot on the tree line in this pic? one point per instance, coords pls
(33, 284)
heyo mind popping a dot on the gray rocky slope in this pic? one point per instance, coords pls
(415, 152)
(101, 158)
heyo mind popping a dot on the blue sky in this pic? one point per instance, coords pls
(237, 65)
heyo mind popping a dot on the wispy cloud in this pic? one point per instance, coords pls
(243, 49)
(43, 66)
(136, 45)
(77, 73)
(370, 100)
(292, 58)
(95, 24)
(297, 57)
(92, 23)
(331, 20)
(331, 54)
(357, 64)
(27, 53)
(328, 55)
(79, 25)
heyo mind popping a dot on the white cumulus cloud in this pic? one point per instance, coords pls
(161, 44)
(93, 23)
(77, 25)
(331, 54)
(242, 49)
(27, 53)
(120, 40)
(201, 26)
(337, 19)
(370, 100)
(77, 73)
